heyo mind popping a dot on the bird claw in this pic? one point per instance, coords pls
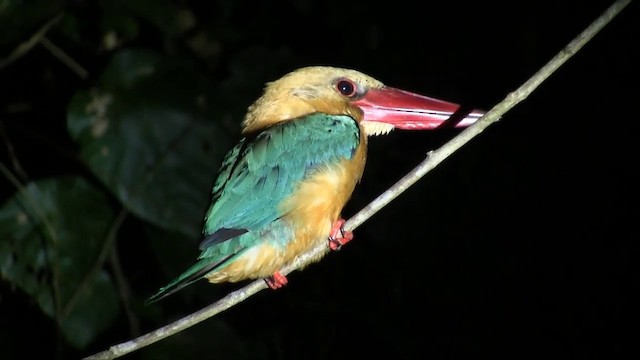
(276, 281)
(338, 235)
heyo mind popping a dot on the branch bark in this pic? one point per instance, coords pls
(26, 46)
(433, 159)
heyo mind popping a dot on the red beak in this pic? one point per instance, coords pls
(405, 110)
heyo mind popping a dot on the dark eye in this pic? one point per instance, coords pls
(346, 88)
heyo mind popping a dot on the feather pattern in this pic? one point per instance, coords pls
(255, 179)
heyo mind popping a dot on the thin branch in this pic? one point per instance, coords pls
(40, 37)
(124, 289)
(17, 107)
(433, 159)
(107, 245)
(26, 46)
(64, 58)
(17, 167)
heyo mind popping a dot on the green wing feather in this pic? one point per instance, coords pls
(255, 177)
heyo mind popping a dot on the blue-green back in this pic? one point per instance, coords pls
(259, 173)
(255, 177)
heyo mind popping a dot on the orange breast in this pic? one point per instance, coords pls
(318, 202)
(312, 210)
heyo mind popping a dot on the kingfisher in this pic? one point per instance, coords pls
(281, 190)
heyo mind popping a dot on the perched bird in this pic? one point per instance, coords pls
(282, 188)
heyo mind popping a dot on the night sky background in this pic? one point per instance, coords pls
(523, 244)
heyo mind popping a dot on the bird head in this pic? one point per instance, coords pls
(336, 91)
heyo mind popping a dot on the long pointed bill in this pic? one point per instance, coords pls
(409, 111)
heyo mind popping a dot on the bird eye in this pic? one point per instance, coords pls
(346, 88)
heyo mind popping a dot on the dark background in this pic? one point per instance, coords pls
(520, 245)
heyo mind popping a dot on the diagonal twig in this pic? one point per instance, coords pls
(40, 38)
(124, 289)
(433, 159)
(64, 58)
(26, 46)
(107, 247)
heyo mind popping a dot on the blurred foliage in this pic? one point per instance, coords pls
(143, 135)
(52, 256)
(136, 133)
(146, 134)
(19, 19)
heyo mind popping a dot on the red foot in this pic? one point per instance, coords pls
(338, 235)
(276, 281)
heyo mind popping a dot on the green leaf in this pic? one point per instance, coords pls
(95, 309)
(51, 235)
(146, 132)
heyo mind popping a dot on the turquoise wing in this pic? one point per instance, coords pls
(260, 173)
(255, 177)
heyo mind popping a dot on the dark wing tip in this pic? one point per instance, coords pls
(195, 273)
(219, 236)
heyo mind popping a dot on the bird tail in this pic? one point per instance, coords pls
(191, 275)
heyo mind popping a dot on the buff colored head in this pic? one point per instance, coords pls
(376, 107)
